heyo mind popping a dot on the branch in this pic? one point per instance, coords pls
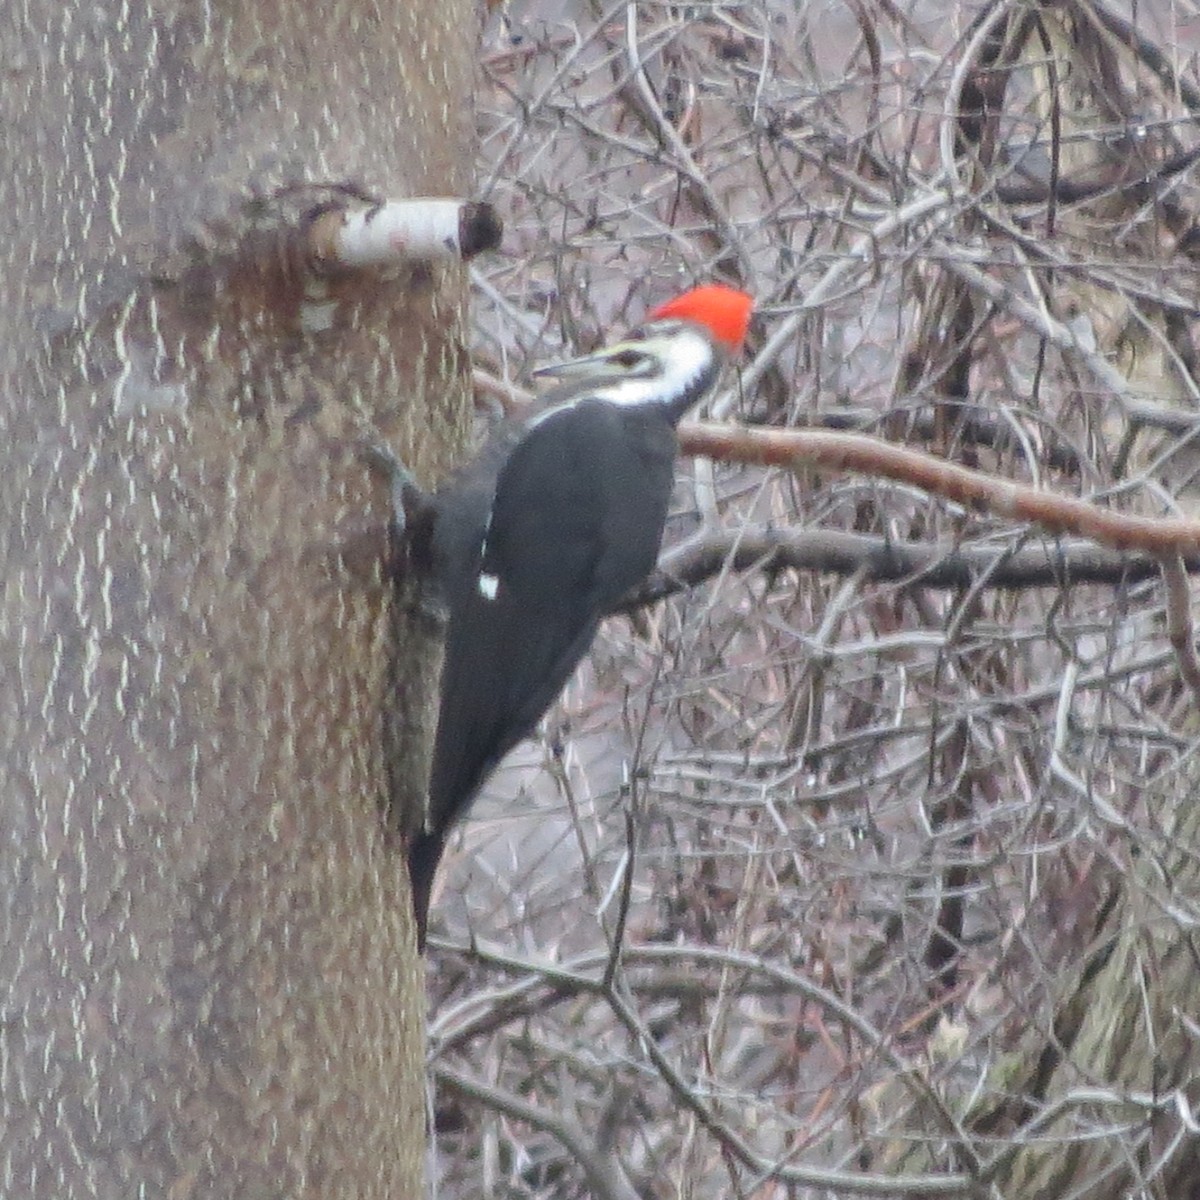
(855, 1183)
(1145, 51)
(1158, 537)
(397, 232)
(1038, 319)
(605, 1176)
(935, 206)
(580, 975)
(645, 107)
(971, 425)
(881, 560)
(1180, 631)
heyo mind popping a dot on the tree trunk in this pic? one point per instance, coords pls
(209, 979)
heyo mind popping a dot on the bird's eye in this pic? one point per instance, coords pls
(627, 358)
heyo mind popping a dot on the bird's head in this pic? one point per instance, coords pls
(672, 359)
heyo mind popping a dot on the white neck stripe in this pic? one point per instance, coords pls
(689, 356)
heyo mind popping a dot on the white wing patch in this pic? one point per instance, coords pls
(489, 585)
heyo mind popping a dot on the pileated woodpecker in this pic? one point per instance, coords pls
(537, 539)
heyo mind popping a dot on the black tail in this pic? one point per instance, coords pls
(424, 854)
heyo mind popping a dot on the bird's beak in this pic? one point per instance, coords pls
(576, 368)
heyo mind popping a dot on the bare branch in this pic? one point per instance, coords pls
(881, 560)
(398, 232)
(605, 1176)
(1180, 630)
(973, 489)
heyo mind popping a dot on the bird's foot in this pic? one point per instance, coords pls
(411, 531)
(408, 500)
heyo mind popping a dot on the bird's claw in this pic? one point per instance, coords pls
(406, 496)
(411, 531)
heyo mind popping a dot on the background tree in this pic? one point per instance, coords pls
(866, 864)
(209, 986)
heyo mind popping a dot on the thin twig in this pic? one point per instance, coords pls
(396, 232)
(936, 203)
(601, 1168)
(1181, 632)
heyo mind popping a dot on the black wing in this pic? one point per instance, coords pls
(576, 522)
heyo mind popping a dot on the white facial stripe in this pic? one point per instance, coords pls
(689, 356)
(685, 357)
(489, 585)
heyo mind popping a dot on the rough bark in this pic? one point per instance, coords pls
(209, 979)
